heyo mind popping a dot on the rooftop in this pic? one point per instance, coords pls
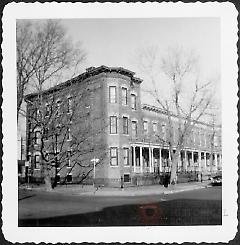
(161, 111)
(91, 71)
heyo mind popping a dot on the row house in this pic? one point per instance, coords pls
(109, 133)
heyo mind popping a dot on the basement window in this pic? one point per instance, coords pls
(126, 178)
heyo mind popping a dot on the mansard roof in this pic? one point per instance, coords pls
(91, 71)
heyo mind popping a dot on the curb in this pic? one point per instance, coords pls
(123, 193)
(138, 194)
(190, 189)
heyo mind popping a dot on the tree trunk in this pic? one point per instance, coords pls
(175, 160)
(48, 183)
(55, 178)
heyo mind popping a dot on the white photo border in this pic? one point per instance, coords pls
(229, 73)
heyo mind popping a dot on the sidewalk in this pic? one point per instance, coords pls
(89, 190)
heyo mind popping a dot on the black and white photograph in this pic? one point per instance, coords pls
(120, 122)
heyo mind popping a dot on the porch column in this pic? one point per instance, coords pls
(141, 160)
(160, 160)
(169, 158)
(185, 161)
(134, 159)
(199, 161)
(215, 160)
(205, 160)
(192, 161)
(150, 159)
(179, 162)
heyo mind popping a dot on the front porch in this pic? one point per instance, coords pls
(154, 159)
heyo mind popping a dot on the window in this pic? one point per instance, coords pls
(69, 178)
(164, 134)
(126, 178)
(58, 178)
(145, 127)
(69, 136)
(124, 96)
(215, 140)
(112, 94)
(58, 108)
(200, 138)
(38, 114)
(205, 139)
(113, 156)
(37, 137)
(37, 161)
(69, 105)
(69, 154)
(133, 102)
(193, 136)
(113, 124)
(134, 129)
(47, 110)
(125, 125)
(46, 133)
(154, 127)
(47, 156)
(126, 156)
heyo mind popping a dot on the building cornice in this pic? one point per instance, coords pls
(161, 111)
(90, 72)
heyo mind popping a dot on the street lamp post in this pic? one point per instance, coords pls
(27, 165)
(94, 160)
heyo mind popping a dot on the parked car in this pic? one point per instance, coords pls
(216, 180)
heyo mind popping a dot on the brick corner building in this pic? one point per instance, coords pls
(110, 124)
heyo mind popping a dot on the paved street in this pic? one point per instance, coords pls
(196, 207)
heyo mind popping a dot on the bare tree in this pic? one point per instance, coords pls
(66, 131)
(44, 53)
(188, 99)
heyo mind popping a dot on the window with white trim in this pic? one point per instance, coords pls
(69, 154)
(193, 136)
(69, 136)
(215, 140)
(58, 108)
(69, 104)
(145, 127)
(134, 129)
(125, 125)
(39, 114)
(154, 127)
(46, 133)
(113, 125)
(133, 102)
(58, 178)
(113, 156)
(124, 96)
(164, 132)
(126, 178)
(112, 94)
(37, 137)
(47, 156)
(126, 156)
(37, 161)
(69, 177)
(48, 110)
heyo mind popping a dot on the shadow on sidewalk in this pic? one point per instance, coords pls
(173, 212)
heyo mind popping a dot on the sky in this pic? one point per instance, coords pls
(114, 42)
(117, 42)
